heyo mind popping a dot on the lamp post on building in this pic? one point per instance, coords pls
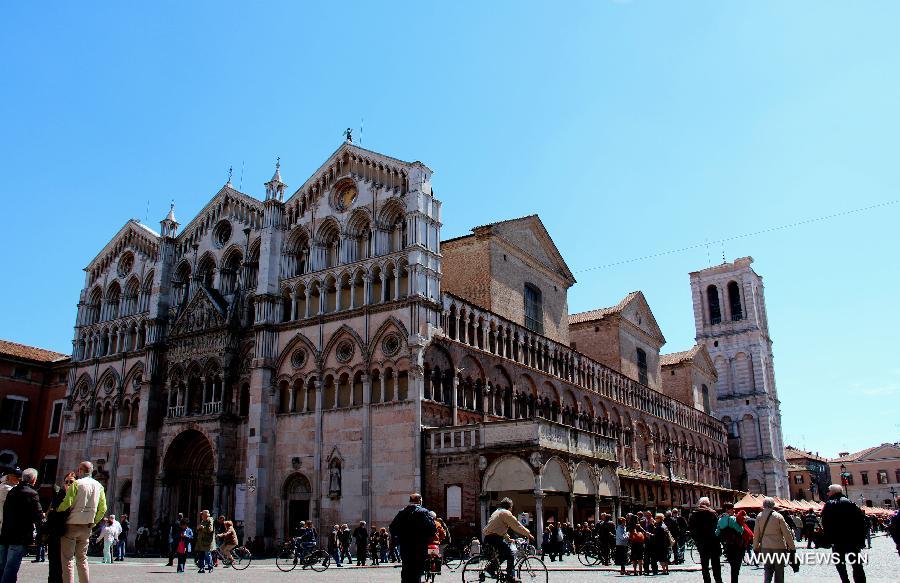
(893, 497)
(668, 464)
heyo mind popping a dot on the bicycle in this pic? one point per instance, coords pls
(305, 554)
(455, 555)
(590, 554)
(240, 558)
(488, 566)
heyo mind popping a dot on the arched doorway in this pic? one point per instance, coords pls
(189, 474)
(297, 493)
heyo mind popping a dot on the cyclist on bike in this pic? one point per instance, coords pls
(228, 540)
(495, 534)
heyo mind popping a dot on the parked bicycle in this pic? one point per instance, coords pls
(306, 554)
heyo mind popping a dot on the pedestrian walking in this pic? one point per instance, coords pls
(702, 524)
(346, 538)
(413, 528)
(185, 537)
(844, 526)
(731, 536)
(205, 542)
(773, 541)
(361, 537)
(334, 544)
(810, 522)
(621, 545)
(54, 528)
(9, 481)
(172, 529)
(681, 537)
(124, 525)
(109, 535)
(87, 501)
(659, 545)
(22, 513)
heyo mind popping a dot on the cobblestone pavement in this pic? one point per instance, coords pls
(884, 567)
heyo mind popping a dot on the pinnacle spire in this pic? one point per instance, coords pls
(275, 187)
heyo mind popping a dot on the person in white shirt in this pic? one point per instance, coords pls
(109, 534)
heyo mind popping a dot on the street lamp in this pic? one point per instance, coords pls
(668, 463)
(893, 496)
(845, 477)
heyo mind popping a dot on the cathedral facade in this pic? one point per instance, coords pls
(296, 358)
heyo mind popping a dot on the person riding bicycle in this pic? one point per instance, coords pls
(495, 533)
(228, 540)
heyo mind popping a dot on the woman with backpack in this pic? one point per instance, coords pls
(731, 535)
(637, 538)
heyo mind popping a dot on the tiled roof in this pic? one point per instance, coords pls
(855, 456)
(678, 357)
(601, 313)
(792, 453)
(17, 350)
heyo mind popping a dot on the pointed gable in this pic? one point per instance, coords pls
(390, 173)
(529, 236)
(206, 311)
(633, 308)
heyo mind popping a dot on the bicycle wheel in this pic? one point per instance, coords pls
(453, 558)
(479, 569)
(286, 560)
(241, 558)
(531, 570)
(318, 560)
(589, 555)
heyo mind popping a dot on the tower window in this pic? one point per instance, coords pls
(712, 298)
(534, 309)
(734, 301)
(642, 366)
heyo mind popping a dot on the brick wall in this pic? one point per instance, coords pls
(466, 269)
(599, 340)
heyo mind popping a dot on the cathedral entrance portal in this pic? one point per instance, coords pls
(297, 494)
(189, 475)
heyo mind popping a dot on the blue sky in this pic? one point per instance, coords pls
(630, 127)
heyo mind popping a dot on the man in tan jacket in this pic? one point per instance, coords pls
(773, 540)
(501, 521)
(86, 502)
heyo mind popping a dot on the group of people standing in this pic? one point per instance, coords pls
(200, 542)
(66, 528)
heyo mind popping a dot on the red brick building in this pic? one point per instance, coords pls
(32, 398)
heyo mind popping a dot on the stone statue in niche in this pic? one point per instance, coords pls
(334, 479)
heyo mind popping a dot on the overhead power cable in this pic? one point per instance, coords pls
(740, 236)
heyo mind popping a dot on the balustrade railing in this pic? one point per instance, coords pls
(469, 324)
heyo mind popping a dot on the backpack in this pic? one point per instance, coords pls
(731, 537)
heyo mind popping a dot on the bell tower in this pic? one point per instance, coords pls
(731, 321)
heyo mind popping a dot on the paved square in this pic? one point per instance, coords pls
(884, 565)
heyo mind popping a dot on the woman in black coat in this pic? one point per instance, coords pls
(54, 528)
